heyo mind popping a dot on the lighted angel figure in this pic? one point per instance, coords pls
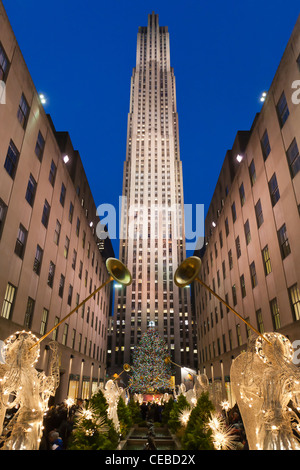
(216, 394)
(201, 385)
(26, 389)
(181, 390)
(266, 385)
(112, 394)
(166, 397)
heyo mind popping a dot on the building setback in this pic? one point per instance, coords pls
(252, 255)
(152, 244)
(50, 256)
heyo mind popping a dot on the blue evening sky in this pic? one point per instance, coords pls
(81, 55)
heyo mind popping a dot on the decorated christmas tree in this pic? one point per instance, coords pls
(151, 370)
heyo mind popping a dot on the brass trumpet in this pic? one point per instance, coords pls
(118, 272)
(188, 272)
(126, 368)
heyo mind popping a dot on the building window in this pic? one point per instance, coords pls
(51, 274)
(265, 145)
(23, 112)
(221, 238)
(282, 110)
(61, 285)
(252, 173)
(224, 269)
(226, 227)
(3, 210)
(31, 190)
(293, 158)
(242, 194)
(52, 173)
(21, 241)
(62, 194)
(71, 212)
(238, 246)
(247, 232)
(65, 334)
(298, 62)
(74, 259)
(266, 260)
(295, 301)
(39, 146)
(275, 313)
(11, 160)
(253, 274)
(233, 212)
(73, 338)
(243, 286)
(260, 322)
(4, 64)
(259, 214)
(66, 247)
(29, 313)
(80, 269)
(38, 260)
(230, 261)
(238, 335)
(55, 332)
(274, 190)
(44, 321)
(284, 245)
(77, 226)
(70, 293)
(46, 214)
(8, 301)
(234, 298)
(57, 232)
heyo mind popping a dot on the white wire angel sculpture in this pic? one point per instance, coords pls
(112, 394)
(24, 388)
(266, 385)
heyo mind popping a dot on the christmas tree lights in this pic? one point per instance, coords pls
(150, 370)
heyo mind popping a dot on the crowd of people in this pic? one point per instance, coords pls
(234, 420)
(58, 425)
(151, 411)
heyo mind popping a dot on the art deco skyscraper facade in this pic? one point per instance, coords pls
(152, 242)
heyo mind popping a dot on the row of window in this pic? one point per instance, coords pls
(19, 250)
(274, 195)
(211, 352)
(284, 247)
(293, 159)
(7, 308)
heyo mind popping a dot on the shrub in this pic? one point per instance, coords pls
(124, 416)
(135, 411)
(174, 422)
(96, 432)
(197, 436)
(166, 411)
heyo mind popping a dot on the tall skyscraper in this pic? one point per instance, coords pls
(152, 243)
